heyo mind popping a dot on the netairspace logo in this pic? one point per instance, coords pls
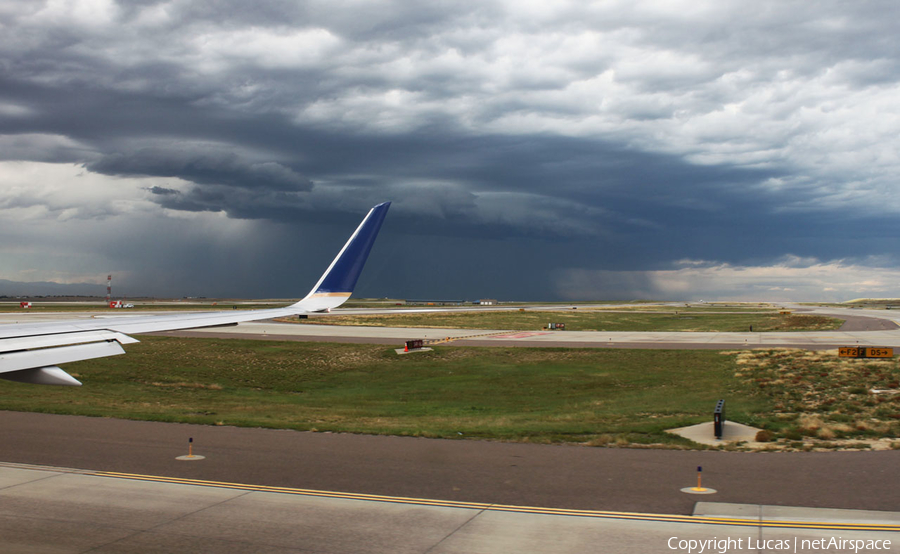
(721, 546)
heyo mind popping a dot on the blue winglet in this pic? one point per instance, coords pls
(339, 280)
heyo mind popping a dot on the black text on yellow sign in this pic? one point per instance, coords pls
(865, 352)
(849, 352)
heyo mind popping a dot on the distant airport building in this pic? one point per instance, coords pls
(445, 302)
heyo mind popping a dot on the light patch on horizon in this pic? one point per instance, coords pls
(834, 280)
(45, 191)
(65, 224)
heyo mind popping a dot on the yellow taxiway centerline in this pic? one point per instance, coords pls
(505, 508)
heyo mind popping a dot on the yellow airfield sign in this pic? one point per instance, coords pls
(865, 352)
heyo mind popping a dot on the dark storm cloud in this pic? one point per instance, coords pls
(204, 168)
(618, 136)
(162, 190)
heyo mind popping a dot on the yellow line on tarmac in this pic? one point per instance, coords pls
(287, 490)
(742, 522)
(432, 342)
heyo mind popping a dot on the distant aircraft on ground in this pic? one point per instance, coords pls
(30, 353)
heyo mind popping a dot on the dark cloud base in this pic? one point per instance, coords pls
(497, 212)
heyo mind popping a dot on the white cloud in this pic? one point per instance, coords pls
(85, 13)
(284, 48)
(45, 191)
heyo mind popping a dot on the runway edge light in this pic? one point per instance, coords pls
(190, 455)
(699, 489)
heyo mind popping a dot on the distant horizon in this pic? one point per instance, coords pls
(60, 297)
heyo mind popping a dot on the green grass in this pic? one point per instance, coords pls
(537, 395)
(590, 320)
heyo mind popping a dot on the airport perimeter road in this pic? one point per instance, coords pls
(573, 477)
(56, 510)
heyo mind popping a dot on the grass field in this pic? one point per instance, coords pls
(589, 320)
(542, 395)
(591, 396)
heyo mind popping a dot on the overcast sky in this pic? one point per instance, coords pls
(532, 149)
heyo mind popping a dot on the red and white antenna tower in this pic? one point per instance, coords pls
(108, 288)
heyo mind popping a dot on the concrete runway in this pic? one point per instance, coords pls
(58, 510)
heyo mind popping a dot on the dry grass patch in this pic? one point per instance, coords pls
(821, 397)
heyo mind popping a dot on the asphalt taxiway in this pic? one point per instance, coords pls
(554, 476)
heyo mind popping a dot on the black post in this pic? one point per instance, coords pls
(719, 419)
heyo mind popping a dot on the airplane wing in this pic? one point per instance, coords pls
(31, 353)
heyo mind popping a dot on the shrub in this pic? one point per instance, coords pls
(763, 436)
